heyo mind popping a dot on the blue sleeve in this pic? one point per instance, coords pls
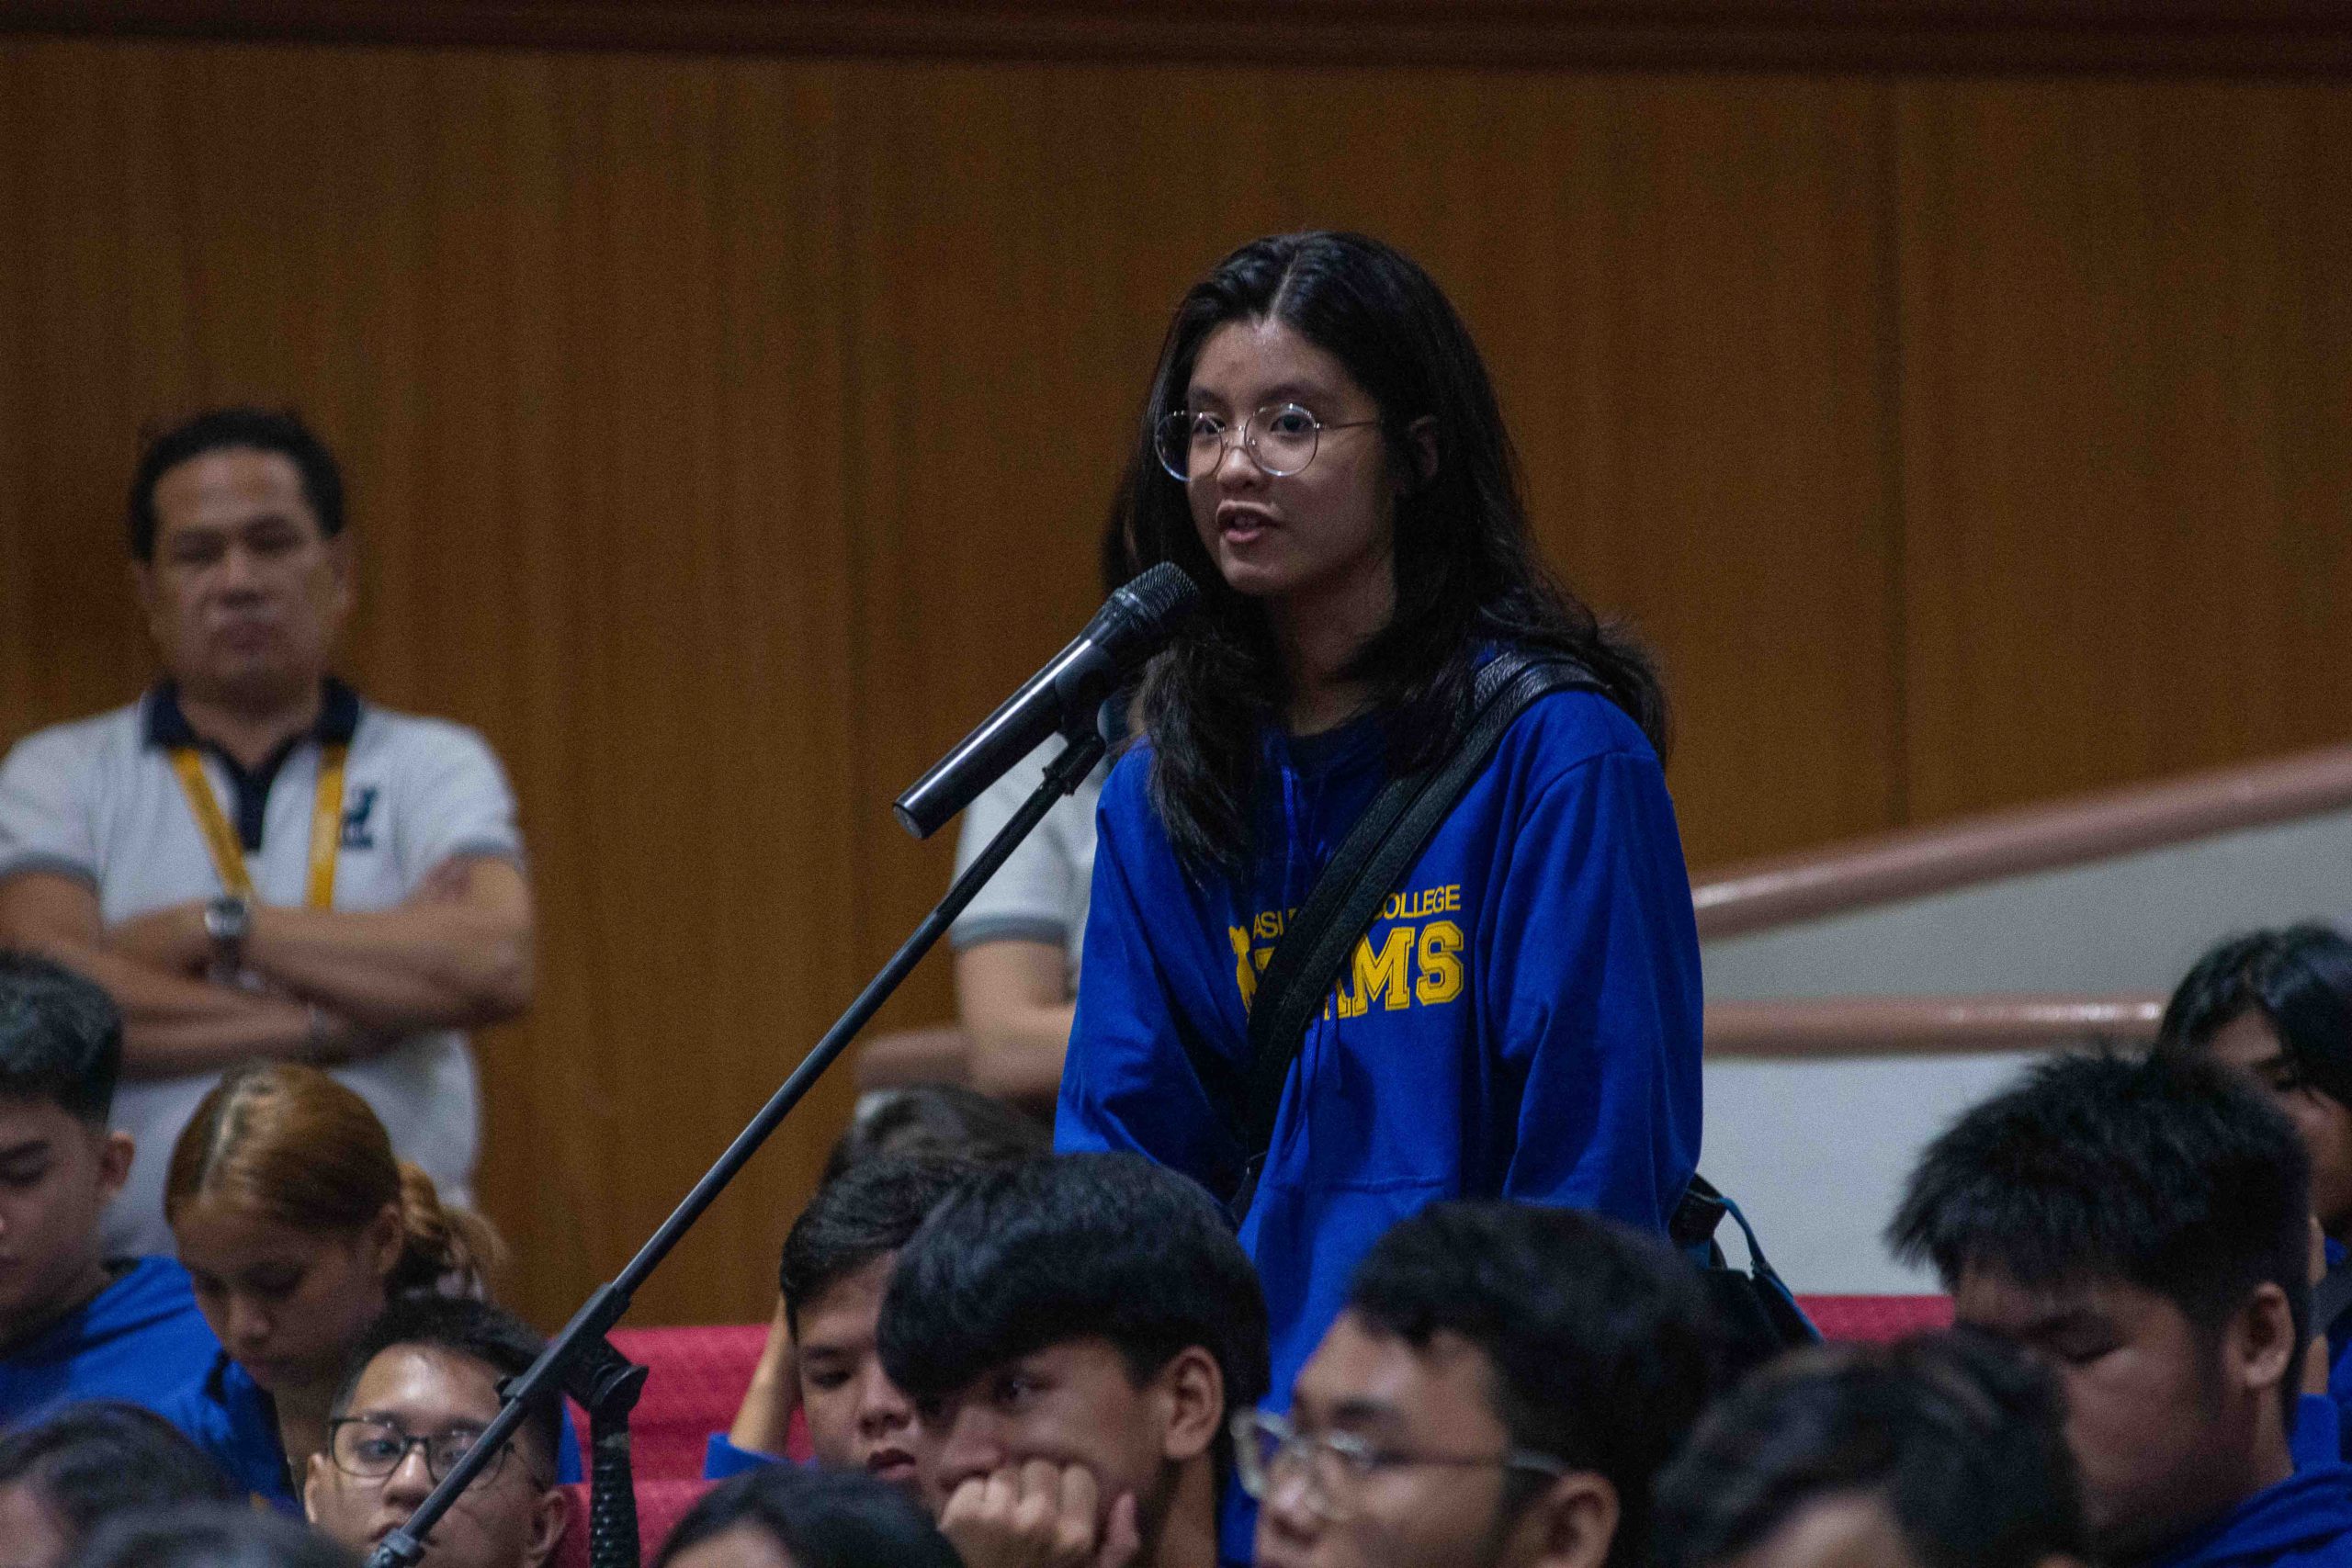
(1127, 1083)
(1590, 982)
(722, 1459)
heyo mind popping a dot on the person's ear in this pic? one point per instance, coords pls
(384, 1240)
(339, 564)
(150, 596)
(114, 1156)
(1570, 1523)
(1191, 1389)
(314, 1481)
(2260, 1342)
(550, 1514)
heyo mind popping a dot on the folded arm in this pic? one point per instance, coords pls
(457, 953)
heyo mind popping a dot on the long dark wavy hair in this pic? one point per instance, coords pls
(1467, 574)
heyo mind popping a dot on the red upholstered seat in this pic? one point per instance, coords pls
(695, 1382)
(659, 1505)
(1876, 1318)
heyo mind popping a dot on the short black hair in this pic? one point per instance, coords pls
(873, 1208)
(211, 1535)
(61, 1037)
(820, 1519)
(1959, 1435)
(91, 1462)
(2167, 1173)
(461, 1326)
(1073, 1247)
(1603, 1346)
(939, 1119)
(2297, 978)
(281, 431)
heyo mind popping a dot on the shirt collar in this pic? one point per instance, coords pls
(167, 725)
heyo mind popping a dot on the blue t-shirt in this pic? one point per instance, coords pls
(2305, 1521)
(139, 1339)
(231, 1418)
(1521, 1020)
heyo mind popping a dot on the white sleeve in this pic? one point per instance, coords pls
(46, 807)
(452, 799)
(1029, 897)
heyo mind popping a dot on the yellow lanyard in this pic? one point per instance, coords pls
(229, 853)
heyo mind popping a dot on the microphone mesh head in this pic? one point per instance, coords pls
(1162, 595)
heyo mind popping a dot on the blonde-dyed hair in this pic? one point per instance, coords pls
(291, 1145)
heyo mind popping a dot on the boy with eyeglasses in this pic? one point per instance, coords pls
(1074, 1333)
(423, 1385)
(1498, 1391)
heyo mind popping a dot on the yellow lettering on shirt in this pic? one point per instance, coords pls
(1441, 965)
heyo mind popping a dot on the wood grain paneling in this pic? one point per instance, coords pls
(2125, 415)
(573, 326)
(2195, 37)
(727, 435)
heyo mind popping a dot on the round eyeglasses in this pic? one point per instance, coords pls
(1268, 1451)
(1281, 438)
(372, 1449)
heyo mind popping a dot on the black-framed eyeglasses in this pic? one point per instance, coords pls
(1281, 438)
(372, 1449)
(1268, 1452)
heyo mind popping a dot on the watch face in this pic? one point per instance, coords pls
(227, 920)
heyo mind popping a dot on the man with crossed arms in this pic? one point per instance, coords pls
(254, 862)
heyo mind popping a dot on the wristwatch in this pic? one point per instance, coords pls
(229, 920)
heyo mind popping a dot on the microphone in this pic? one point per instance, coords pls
(1134, 623)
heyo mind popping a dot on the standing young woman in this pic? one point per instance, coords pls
(298, 1227)
(1323, 454)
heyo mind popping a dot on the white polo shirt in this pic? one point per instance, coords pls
(98, 801)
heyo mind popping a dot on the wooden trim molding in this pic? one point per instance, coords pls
(2201, 37)
(1914, 861)
(1926, 1026)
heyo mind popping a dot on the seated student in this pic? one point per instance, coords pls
(943, 1120)
(209, 1535)
(422, 1386)
(1499, 1388)
(781, 1517)
(2276, 1005)
(837, 1261)
(1074, 1332)
(2145, 1227)
(75, 1324)
(1947, 1451)
(297, 1228)
(88, 1463)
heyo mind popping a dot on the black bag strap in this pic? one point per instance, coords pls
(1381, 847)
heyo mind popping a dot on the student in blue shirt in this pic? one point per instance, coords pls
(299, 1227)
(2144, 1228)
(1322, 453)
(75, 1324)
(2276, 1005)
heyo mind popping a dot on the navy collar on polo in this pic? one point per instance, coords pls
(168, 727)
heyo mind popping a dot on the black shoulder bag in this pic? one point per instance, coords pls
(1395, 827)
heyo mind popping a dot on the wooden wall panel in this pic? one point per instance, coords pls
(727, 435)
(2126, 409)
(573, 326)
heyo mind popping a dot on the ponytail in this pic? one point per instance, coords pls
(443, 1250)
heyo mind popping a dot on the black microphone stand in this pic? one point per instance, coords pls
(580, 1361)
